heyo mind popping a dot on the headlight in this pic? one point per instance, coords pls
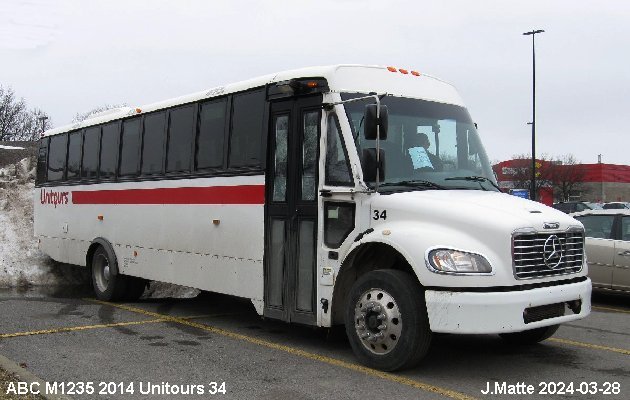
(457, 262)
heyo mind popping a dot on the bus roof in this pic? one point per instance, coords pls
(341, 78)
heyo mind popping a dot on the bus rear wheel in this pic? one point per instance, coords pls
(109, 285)
(386, 320)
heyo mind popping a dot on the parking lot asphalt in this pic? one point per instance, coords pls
(67, 337)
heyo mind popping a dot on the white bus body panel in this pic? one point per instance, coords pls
(479, 222)
(215, 247)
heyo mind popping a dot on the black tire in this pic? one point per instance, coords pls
(402, 319)
(108, 284)
(531, 336)
(135, 287)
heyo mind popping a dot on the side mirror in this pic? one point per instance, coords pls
(369, 165)
(371, 122)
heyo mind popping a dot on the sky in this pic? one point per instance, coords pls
(70, 56)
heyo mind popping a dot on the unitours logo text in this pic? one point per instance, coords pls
(52, 197)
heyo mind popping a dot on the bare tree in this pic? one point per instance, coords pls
(521, 174)
(17, 122)
(567, 176)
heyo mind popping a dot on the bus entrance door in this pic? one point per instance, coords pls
(291, 210)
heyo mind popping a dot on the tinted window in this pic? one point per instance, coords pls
(597, 226)
(281, 135)
(74, 155)
(153, 143)
(211, 134)
(180, 136)
(109, 150)
(581, 207)
(614, 206)
(130, 147)
(563, 207)
(625, 228)
(310, 141)
(57, 157)
(247, 126)
(337, 166)
(91, 144)
(42, 155)
(338, 223)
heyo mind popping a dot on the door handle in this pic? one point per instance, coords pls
(624, 253)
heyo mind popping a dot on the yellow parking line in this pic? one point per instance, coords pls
(611, 309)
(79, 328)
(590, 345)
(294, 351)
(97, 326)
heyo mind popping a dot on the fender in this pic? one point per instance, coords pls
(109, 249)
(411, 239)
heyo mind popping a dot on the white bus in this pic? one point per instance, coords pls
(354, 195)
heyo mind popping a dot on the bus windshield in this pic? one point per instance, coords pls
(434, 145)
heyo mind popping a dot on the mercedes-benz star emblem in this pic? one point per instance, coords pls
(553, 252)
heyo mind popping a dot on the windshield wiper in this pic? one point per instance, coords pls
(474, 178)
(415, 183)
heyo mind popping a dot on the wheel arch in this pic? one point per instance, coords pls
(99, 241)
(362, 259)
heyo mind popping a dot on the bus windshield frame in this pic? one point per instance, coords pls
(430, 145)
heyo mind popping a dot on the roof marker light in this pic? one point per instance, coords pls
(391, 69)
(415, 73)
(403, 71)
(138, 110)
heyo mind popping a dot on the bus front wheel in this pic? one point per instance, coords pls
(386, 320)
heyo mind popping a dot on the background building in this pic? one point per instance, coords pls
(557, 182)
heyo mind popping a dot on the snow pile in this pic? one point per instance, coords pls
(11, 147)
(21, 263)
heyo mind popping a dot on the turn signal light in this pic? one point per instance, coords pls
(311, 84)
(100, 217)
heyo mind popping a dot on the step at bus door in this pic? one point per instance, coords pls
(291, 210)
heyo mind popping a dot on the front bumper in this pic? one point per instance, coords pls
(502, 312)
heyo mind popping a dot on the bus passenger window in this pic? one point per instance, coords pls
(153, 143)
(180, 136)
(74, 154)
(130, 148)
(247, 129)
(42, 155)
(211, 134)
(91, 141)
(57, 157)
(109, 150)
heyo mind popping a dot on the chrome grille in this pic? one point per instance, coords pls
(528, 254)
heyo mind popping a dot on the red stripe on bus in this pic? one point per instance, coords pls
(244, 194)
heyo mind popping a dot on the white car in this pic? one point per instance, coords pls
(607, 247)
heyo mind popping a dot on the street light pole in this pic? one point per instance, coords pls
(533, 123)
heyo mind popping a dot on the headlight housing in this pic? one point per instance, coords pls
(450, 261)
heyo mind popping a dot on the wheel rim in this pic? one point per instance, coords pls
(377, 321)
(102, 272)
